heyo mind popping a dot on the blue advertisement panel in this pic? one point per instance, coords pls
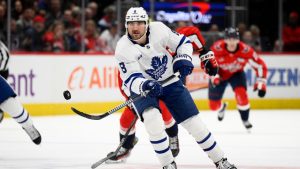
(202, 12)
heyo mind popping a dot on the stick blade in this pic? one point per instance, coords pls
(88, 116)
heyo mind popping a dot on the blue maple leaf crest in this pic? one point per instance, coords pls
(159, 67)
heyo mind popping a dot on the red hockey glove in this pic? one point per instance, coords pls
(215, 80)
(261, 86)
(208, 62)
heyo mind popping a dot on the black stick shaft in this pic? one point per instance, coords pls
(95, 165)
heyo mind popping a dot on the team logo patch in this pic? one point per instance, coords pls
(159, 67)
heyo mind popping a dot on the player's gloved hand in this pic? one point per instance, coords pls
(184, 67)
(215, 80)
(261, 86)
(153, 88)
(208, 62)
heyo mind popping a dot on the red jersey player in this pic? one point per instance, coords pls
(209, 65)
(232, 56)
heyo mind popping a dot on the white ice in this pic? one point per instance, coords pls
(72, 142)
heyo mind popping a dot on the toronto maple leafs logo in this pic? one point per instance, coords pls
(159, 67)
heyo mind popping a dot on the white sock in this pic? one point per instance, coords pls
(204, 138)
(158, 137)
(15, 109)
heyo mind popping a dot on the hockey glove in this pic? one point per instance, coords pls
(215, 80)
(153, 88)
(184, 67)
(261, 86)
(208, 62)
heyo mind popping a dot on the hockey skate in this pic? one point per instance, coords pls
(122, 155)
(34, 134)
(171, 166)
(224, 164)
(1, 116)
(221, 112)
(247, 124)
(174, 145)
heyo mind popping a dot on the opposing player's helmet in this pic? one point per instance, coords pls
(136, 14)
(232, 33)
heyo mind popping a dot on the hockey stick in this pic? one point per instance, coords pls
(95, 165)
(129, 101)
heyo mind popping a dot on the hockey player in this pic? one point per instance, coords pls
(10, 104)
(232, 55)
(127, 118)
(171, 126)
(144, 60)
(4, 58)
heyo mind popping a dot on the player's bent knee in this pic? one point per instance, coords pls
(153, 121)
(241, 95)
(126, 118)
(12, 106)
(195, 127)
(214, 104)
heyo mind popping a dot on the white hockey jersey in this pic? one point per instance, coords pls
(152, 61)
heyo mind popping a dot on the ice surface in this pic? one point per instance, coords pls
(72, 142)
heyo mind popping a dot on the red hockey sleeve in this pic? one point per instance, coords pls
(194, 34)
(259, 66)
(126, 118)
(120, 82)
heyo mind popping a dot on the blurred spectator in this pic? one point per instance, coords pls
(91, 35)
(55, 38)
(3, 23)
(249, 40)
(48, 39)
(242, 28)
(88, 14)
(72, 30)
(93, 6)
(212, 35)
(24, 26)
(38, 32)
(25, 22)
(15, 36)
(276, 46)
(256, 35)
(3, 3)
(17, 10)
(67, 18)
(291, 33)
(110, 38)
(54, 12)
(60, 40)
(109, 17)
(76, 16)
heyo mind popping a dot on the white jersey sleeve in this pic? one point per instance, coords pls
(179, 44)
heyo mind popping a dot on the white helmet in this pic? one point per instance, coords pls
(136, 14)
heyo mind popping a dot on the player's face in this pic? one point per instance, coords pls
(136, 29)
(232, 43)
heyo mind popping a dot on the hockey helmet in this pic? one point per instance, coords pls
(232, 33)
(136, 14)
